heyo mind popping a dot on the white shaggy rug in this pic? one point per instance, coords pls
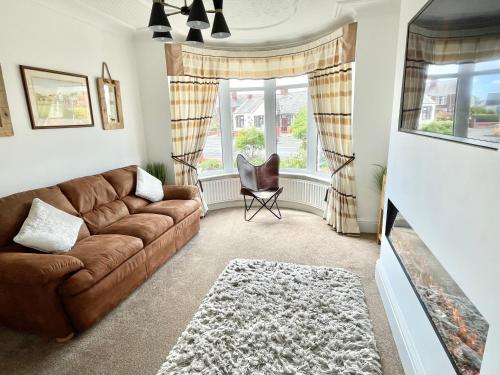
(265, 318)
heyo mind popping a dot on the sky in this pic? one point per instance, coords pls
(482, 84)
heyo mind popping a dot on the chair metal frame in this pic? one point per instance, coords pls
(263, 204)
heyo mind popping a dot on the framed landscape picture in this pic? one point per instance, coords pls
(57, 99)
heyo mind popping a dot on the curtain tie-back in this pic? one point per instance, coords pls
(179, 159)
(349, 160)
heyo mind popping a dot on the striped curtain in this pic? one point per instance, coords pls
(436, 49)
(330, 50)
(192, 102)
(414, 89)
(331, 95)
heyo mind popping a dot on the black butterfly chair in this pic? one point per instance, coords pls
(261, 182)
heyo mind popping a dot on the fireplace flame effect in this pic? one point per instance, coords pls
(461, 327)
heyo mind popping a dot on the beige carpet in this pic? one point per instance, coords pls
(136, 337)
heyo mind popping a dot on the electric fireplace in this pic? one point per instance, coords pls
(460, 327)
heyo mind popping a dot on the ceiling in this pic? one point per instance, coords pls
(253, 23)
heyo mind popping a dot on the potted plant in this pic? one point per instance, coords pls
(158, 170)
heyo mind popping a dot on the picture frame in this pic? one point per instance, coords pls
(6, 129)
(110, 101)
(57, 99)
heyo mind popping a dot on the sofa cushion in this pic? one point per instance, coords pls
(14, 210)
(134, 202)
(100, 254)
(148, 186)
(87, 193)
(145, 226)
(123, 180)
(96, 200)
(49, 229)
(105, 215)
(176, 209)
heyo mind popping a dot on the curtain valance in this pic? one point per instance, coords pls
(327, 52)
(454, 50)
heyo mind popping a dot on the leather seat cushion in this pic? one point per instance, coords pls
(176, 209)
(123, 180)
(101, 254)
(88, 193)
(145, 226)
(134, 202)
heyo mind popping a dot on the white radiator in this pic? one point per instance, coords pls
(305, 192)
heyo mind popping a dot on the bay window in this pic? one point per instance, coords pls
(259, 117)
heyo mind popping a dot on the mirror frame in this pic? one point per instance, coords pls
(106, 124)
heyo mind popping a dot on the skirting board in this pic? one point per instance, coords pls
(365, 225)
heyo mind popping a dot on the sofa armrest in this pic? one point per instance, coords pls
(183, 192)
(36, 269)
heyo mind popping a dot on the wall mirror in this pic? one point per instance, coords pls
(110, 101)
(451, 85)
(5, 121)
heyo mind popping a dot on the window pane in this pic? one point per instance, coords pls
(484, 122)
(322, 163)
(438, 106)
(442, 69)
(247, 109)
(292, 81)
(487, 65)
(246, 83)
(211, 159)
(291, 127)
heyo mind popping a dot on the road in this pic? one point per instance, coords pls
(287, 146)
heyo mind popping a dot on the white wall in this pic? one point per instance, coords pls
(155, 100)
(53, 35)
(373, 92)
(449, 193)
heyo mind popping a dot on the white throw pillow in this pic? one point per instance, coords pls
(48, 229)
(148, 186)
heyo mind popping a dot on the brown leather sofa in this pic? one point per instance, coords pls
(123, 241)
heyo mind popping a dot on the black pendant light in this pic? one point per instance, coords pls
(158, 20)
(197, 20)
(163, 37)
(219, 29)
(198, 16)
(194, 38)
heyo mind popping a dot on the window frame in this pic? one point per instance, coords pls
(269, 126)
(465, 72)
